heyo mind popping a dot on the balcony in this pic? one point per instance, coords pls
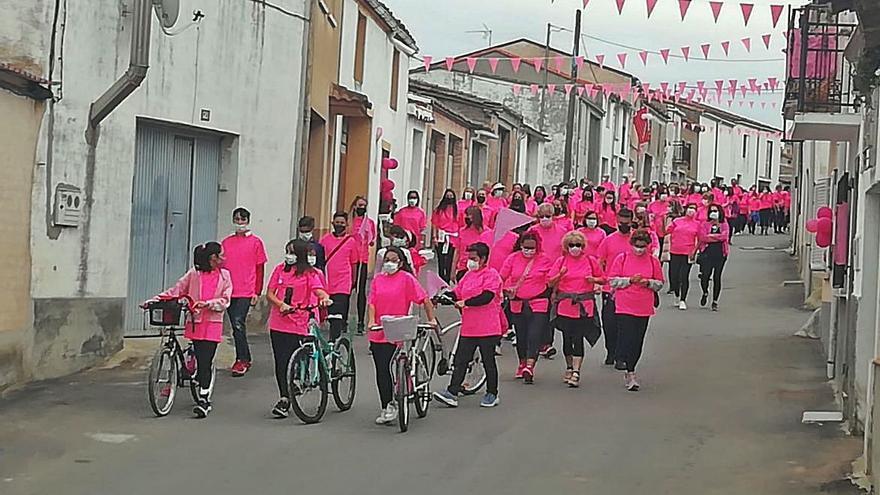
(818, 78)
(681, 154)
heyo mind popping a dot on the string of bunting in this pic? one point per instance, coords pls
(746, 9)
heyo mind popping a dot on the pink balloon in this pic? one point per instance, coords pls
(386, 186)
(812, 225)
(824, 212)
(389, 163)
(824, 232)
(386, 196)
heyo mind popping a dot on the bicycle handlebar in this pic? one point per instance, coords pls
(187, 301)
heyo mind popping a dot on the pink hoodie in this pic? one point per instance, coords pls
(723, 236)
(208, 320)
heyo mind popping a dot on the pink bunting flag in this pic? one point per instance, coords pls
(507, 220)
(433, 283)
(716, 9)
(581, 90)
(706, 47)
(747, 42)
(515, 63)
(551, 88)
(535, 89)
(559, 62)
(621, 57)
(725, 45)
(701, 85)
(686, 52)
(743, 89)
(594, 91)
(773, 104)
(753, 84)
(450, 61)
(763, 104)
(681, 86)
(644, 56)
(747, 11)
(719, 89)
(586, 2)
(775, 13)
(579, 60)
(729, 103)
(752, 104)
(703, 93)
(620, 6)
(773, 83)
(734, 84)
(601, 60)
(766, 39)
(646, 88)
(651, 5)
(493, 64)
(683, 6)
(427, 59)
(568, 89)
(664, 87)
(516, 89)
(471, 63)
(625, 90)
(691, 95)
(665, 54)
(741, 103)
(607, 89)
(651, 95)
(538, 63)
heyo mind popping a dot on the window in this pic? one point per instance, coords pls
(360, 48)
(768, 168)
(395, 78)
(624, 127)
(745, 146)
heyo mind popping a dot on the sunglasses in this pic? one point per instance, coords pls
(575, 245)
(545, 216)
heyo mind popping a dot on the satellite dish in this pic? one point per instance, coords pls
(168, 11)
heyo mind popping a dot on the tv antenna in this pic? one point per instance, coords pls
(168, 12)
(485, 33)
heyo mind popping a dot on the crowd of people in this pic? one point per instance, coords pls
(588, 262)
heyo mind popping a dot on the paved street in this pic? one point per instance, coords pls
(719, 413)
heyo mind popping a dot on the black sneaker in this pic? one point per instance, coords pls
(609, 360)
(360, 329)
(714, 306)
(619, 365)
(704, 299)
(551, 351)
(202, 409)
(282, 408)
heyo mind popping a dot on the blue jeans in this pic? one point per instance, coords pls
(238, 312)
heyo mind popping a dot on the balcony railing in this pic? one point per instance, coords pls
(681, 153)
(818, 78)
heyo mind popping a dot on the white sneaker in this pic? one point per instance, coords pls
(682, 306)
(633, 385)
(387, 415)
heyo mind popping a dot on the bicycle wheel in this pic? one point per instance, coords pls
(475, 377)
(422, 389)
(402, 392)
(343, 377)
(162, 381)
(308, 382)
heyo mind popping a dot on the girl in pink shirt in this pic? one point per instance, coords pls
(636, 277)
(444, 221)
(210, 288)
(608, 214)
(765, 203)
(524, 277)
(412, 217)
(468, 199)
(592, 233)
(584, 206)
(714, 249)
(683, 240)
(574, 276)
(294, 285)
(393, 292)
(478, 296)
(470, 234)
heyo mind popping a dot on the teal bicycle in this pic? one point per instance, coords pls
(317, 368)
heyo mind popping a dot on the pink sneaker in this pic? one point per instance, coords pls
(239, 368)
(519, 370)
(529, 374)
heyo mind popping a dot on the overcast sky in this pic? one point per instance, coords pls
(440, 26)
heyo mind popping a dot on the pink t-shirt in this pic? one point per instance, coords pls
(594, 240)
(463, 204)
(529, 287)
(635, 300)
(613, 245)
(658, 207)
(551, 239)
(393, 295)
(721, 234)
(496, 203)
(211, 331)
(498, 251)
(608, 216)
(575, 282)
(364, 230)
(489, 215)
(683, 236)
(582, 208)
(412, 219)
(766, 201)
(243, 254)
(465, 238)
(481, 321)
(303, 290)
(445, 220)
(339, 270)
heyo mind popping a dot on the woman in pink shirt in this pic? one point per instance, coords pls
(524, 277)
(636, 277)
(412, 217)
(765, 201)
(551, 231)
(393, 292)
(608, 213)
(592, 233)
(210, 288)
(468, 199)
(444, 221)
(470, 234)
(363, 229)
(586, 205)
(574, 276)
(478, 296)
(683, 240)
(714, 249)
(294, 285)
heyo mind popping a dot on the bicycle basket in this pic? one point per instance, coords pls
(165, 313)
(400, 328)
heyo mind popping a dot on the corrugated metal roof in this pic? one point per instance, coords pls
(397, 27)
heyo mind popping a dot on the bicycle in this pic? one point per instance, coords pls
(475, 377)
(307, 372)
(410, 374)
(172, 366)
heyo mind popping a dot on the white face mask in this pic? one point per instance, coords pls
(498, 193)
(398, 242)
(390, 267)
(714, 215)
(412, 201)
(705, 202)
(592, 223)
(640, 209)
(609, 200)
(306, 236)
(663, 197)
(640, 251)
(575, 251)
(563, 191)
(468, 195)
(705, 189)
(240, 227)
(289, 258)
(546, 222)
(313, 260)
(691, 212)
(473, 265)
(529, 253)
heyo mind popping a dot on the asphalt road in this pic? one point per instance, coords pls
(719, 413)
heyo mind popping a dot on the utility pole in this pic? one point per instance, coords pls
(572, 101)
(544, 88)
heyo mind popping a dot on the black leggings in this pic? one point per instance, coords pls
(632, 339)
(361, 293)
(766, 219)
(338, 314)
(283, 346)
(382, 355)
(679, 275)
(444, 261)
(529, 332)
(204, 351)
(609, 324)
(712, 267)
(572, 335)
(463, 355)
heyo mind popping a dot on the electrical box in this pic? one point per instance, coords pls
(68, 206)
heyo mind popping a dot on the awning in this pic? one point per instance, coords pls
(348, 103)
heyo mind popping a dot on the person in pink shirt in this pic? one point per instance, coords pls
(293, 286)
(703, 207)
(393, 292)
(624, 192)
(210, 288)
(524, 277)
(658, 211)
(536, 200)
(592, 234)
(561, 214)
(342, 256)
(488, 212)
(586, 205)
(766, 209)
(363, 228)
(478, 296)
(444, 221)
(714, 249)
(636, 277)
(550, 230)
(246, 262)
(683, 240)
(501, 249)
(778, 210)
(613, 245)
(754, 205)
(518, 202)
(470, 234)
(608, 213)
(574, 276)
(468, 199)
(606, 184)
(497, 199)
(786, 208)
